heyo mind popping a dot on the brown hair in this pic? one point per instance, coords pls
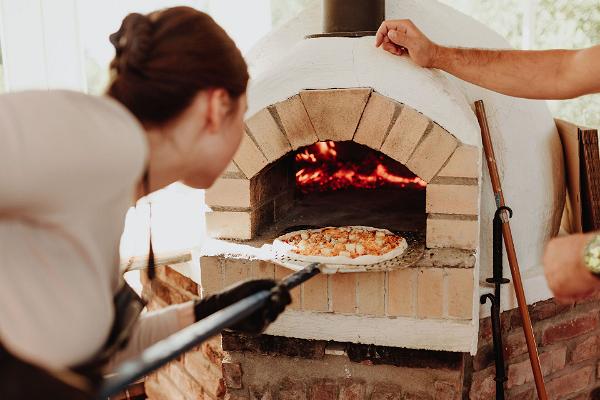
(165, 58)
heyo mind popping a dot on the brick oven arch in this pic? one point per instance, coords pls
(450, 168)
(355, 114)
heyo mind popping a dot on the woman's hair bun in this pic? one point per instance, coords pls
(132, 43)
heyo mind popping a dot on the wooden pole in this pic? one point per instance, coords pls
(510, 251)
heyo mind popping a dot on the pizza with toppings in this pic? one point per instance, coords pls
(350, 245)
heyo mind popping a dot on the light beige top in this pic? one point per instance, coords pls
(69, 163)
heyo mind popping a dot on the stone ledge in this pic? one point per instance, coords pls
(459, 335)
(141, 262)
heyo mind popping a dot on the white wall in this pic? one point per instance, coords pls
(41, 45)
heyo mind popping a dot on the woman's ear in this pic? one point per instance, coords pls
(218, 106)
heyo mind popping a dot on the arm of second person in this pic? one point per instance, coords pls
(547, 74)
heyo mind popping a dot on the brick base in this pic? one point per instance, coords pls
(268, 368)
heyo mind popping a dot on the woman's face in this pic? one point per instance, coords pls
(216, 149)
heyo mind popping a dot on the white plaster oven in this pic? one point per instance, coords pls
(344, 89)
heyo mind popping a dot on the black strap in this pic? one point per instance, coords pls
(21, 380)
(150, 270)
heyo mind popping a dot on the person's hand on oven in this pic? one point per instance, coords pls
(401, 37)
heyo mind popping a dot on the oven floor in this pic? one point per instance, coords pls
(394, 209)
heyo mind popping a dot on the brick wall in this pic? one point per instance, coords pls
(196, 374)
(568, 338)
(270, 368)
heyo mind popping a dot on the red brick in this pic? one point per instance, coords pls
(551, 361)
(169, 294)
(484, 357)
(569, 383)
(323, 390)
(483, 386)
(291, 390)
(212, 353)
(586, 349)
(528, 394)
(584, 396)
(232, 375)
(540, 311)
(485, 330)
(388, 392)
(352, 391)
(570, 329)
(237, 395)
(514, 345)
(594, 298)
(445, 391)
(543, 310)
(177, 280)
(519, 374)
(415, 396)
(260, 393)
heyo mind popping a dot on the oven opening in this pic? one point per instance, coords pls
(344, 183)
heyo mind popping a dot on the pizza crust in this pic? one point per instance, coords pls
(284, 249)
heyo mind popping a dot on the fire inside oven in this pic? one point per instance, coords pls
(330, 166)
(345, 183)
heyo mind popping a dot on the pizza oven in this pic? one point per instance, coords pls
(353, 156)
(340, 133)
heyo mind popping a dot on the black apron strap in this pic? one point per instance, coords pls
(21, 380)
(128, 307)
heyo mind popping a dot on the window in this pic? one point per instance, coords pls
(545, 24)
(97, 20)
(281, 10)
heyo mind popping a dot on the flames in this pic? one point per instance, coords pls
(320, 167)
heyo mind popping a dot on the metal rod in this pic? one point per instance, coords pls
(498, 280)
(511, 252)
(178, 343)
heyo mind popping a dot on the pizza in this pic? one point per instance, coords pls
(349, 245)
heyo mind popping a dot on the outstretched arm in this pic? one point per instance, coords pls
(548, 74)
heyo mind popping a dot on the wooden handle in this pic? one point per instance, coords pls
(511, 252)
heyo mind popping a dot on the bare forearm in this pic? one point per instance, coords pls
(548, 74)
(529, 74)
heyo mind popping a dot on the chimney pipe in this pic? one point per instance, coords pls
(352, 17)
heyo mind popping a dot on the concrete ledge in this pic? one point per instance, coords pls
(412, 333)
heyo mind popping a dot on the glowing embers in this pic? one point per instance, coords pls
(326, 166)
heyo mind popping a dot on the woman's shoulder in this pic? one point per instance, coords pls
(67, 104)
(75, 138)
(73, 116)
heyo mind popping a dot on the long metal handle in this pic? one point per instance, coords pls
(178, 343)
(511, 252)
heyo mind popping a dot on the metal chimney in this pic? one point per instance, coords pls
(352, 17)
